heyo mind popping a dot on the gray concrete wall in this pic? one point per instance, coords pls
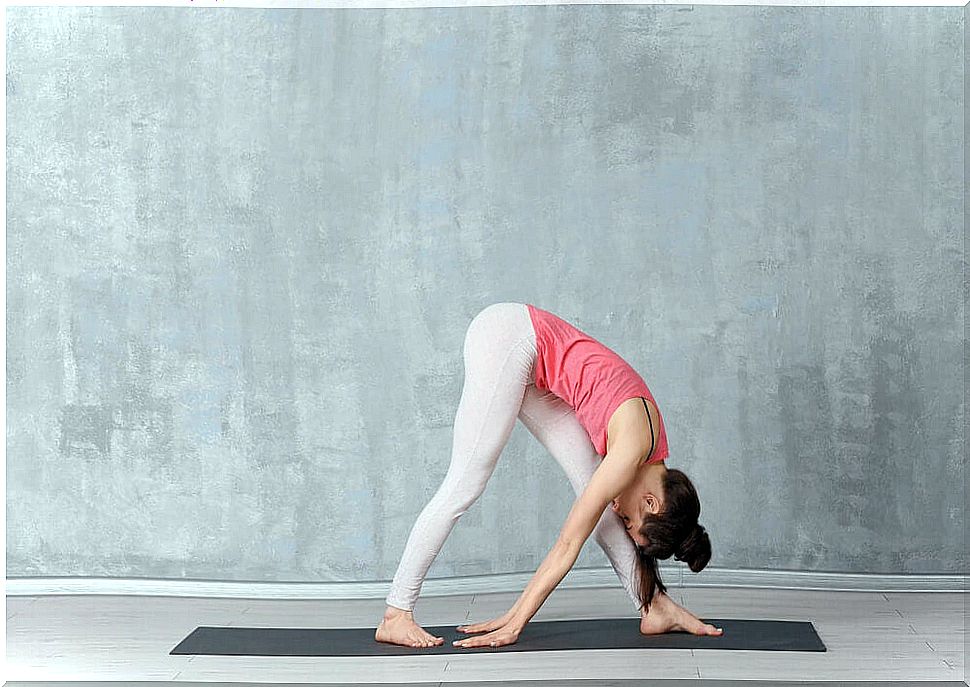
(243, 246)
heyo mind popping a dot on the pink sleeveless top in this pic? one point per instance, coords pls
(591, 378)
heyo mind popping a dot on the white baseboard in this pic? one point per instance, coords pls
(673, 576)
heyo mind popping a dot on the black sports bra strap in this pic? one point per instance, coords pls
(651, 425)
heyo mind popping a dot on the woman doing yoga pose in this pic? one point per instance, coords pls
(598, 419)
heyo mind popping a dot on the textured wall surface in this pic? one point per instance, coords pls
(243, 246)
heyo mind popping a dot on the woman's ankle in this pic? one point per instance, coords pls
(392, 612)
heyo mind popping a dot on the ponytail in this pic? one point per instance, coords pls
(649, 578)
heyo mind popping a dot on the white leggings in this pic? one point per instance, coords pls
(499, 355)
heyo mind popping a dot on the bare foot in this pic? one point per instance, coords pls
(398, 627)
(666, 616)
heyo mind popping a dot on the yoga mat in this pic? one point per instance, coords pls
(554, 635)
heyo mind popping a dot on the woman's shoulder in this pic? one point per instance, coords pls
(630, 418)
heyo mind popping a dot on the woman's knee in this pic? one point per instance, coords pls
(456, 498)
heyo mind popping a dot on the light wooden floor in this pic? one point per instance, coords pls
(869, 635)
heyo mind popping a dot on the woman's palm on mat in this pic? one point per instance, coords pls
(501, 631)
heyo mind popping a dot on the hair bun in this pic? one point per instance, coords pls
(695, 548)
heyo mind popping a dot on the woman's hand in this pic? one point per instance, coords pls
(501, 631)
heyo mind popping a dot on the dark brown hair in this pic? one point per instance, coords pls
(672, 532)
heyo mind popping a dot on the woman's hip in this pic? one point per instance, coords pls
(501, 331)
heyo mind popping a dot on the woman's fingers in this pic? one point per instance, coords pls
(475, 627)
(499, 637)
(486, 626)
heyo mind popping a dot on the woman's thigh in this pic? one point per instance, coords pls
(553, 422)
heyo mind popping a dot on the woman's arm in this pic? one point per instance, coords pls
(614, 474)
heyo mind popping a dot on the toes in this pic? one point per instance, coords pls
(706, 629)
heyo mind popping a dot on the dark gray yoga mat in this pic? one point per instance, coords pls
(552, 635)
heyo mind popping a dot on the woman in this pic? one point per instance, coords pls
(598, 419)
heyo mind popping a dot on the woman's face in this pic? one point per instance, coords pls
(632, 505)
